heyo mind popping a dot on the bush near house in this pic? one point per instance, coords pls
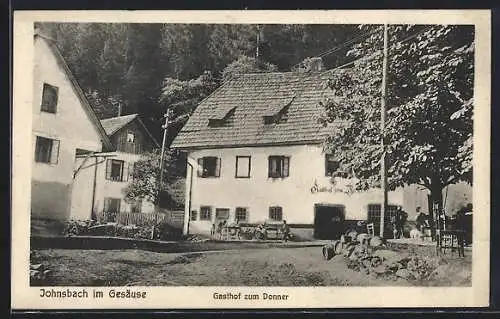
(128, 225)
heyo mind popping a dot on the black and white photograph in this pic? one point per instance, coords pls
(259, 154)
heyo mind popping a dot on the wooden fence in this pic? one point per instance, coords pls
(173, 218)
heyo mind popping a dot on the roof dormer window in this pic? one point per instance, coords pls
(277, 113)
(222, 117)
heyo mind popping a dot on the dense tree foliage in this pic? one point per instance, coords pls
(146, 182)
(428, 133)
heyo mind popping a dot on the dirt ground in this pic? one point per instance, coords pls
(256, 267)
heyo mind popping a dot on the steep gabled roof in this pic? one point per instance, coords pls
(107, 145)
(253, 98)
(115, 124)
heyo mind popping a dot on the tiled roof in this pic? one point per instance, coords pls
(254, 96)
(113, 124)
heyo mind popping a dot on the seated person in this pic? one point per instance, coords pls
(422, 220)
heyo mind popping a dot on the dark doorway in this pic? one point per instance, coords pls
(328, 221)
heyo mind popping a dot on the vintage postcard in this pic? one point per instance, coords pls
(251, 159)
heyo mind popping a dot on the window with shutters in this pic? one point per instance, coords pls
(241, 214)
(205, 213)
(49, 98)
(242, 166)
(222, 213)
(46, 150)
(278, 166)
(114, 170)
(276, 213)
(112, 204)
(209, 166)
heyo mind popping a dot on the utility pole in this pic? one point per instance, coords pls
(383, 115)
(162, 159)
(164, 127)
(258, 43)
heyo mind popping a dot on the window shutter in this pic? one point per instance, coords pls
(54, 153)
(108, 169)
(217, 167)
(200, 167)
(286, 166)
(131, 167)
(269, 166)
(106, 204)
(125, 168)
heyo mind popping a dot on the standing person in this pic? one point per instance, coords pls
(286, 231)
(394, 225)
(422, 220)
(402, 216)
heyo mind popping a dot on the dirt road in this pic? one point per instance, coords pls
(258, 267)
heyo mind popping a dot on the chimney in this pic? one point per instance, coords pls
(119, 109)
(316, 64)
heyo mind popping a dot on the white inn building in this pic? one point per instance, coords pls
(255, 154)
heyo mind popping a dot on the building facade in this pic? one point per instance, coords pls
(63, 125)
(255, 154)
(102, 179)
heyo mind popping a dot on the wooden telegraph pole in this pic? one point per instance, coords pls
(383, 115)
(162, 159)
(164, 127)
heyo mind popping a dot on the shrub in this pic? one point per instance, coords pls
(165, 231)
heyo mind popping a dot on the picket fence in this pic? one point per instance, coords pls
(173, 218)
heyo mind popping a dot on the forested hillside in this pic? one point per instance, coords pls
(147, 67)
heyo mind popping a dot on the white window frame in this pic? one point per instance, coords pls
(238, 164)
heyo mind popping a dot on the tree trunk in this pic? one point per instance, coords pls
(436, 198)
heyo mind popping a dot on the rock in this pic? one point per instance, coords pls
(367, 263)
(36, 266)
(440, 271)
(47, 272)
(363, 238)
(403, 273)
(376, 241)
(129, 227)
(376, 261)
(387, 255)
(348, 250)
(328, 252)
(352, 234)
(344, 239)
(379, 270)
(337, 247)
(35, 274)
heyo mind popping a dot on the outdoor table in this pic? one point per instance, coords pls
(274, 230)
(446, 239)
(232, 231)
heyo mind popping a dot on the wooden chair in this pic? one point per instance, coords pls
(450, 239)
(370, 229)
(427, 233)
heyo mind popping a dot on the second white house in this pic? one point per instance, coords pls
(255, 154)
